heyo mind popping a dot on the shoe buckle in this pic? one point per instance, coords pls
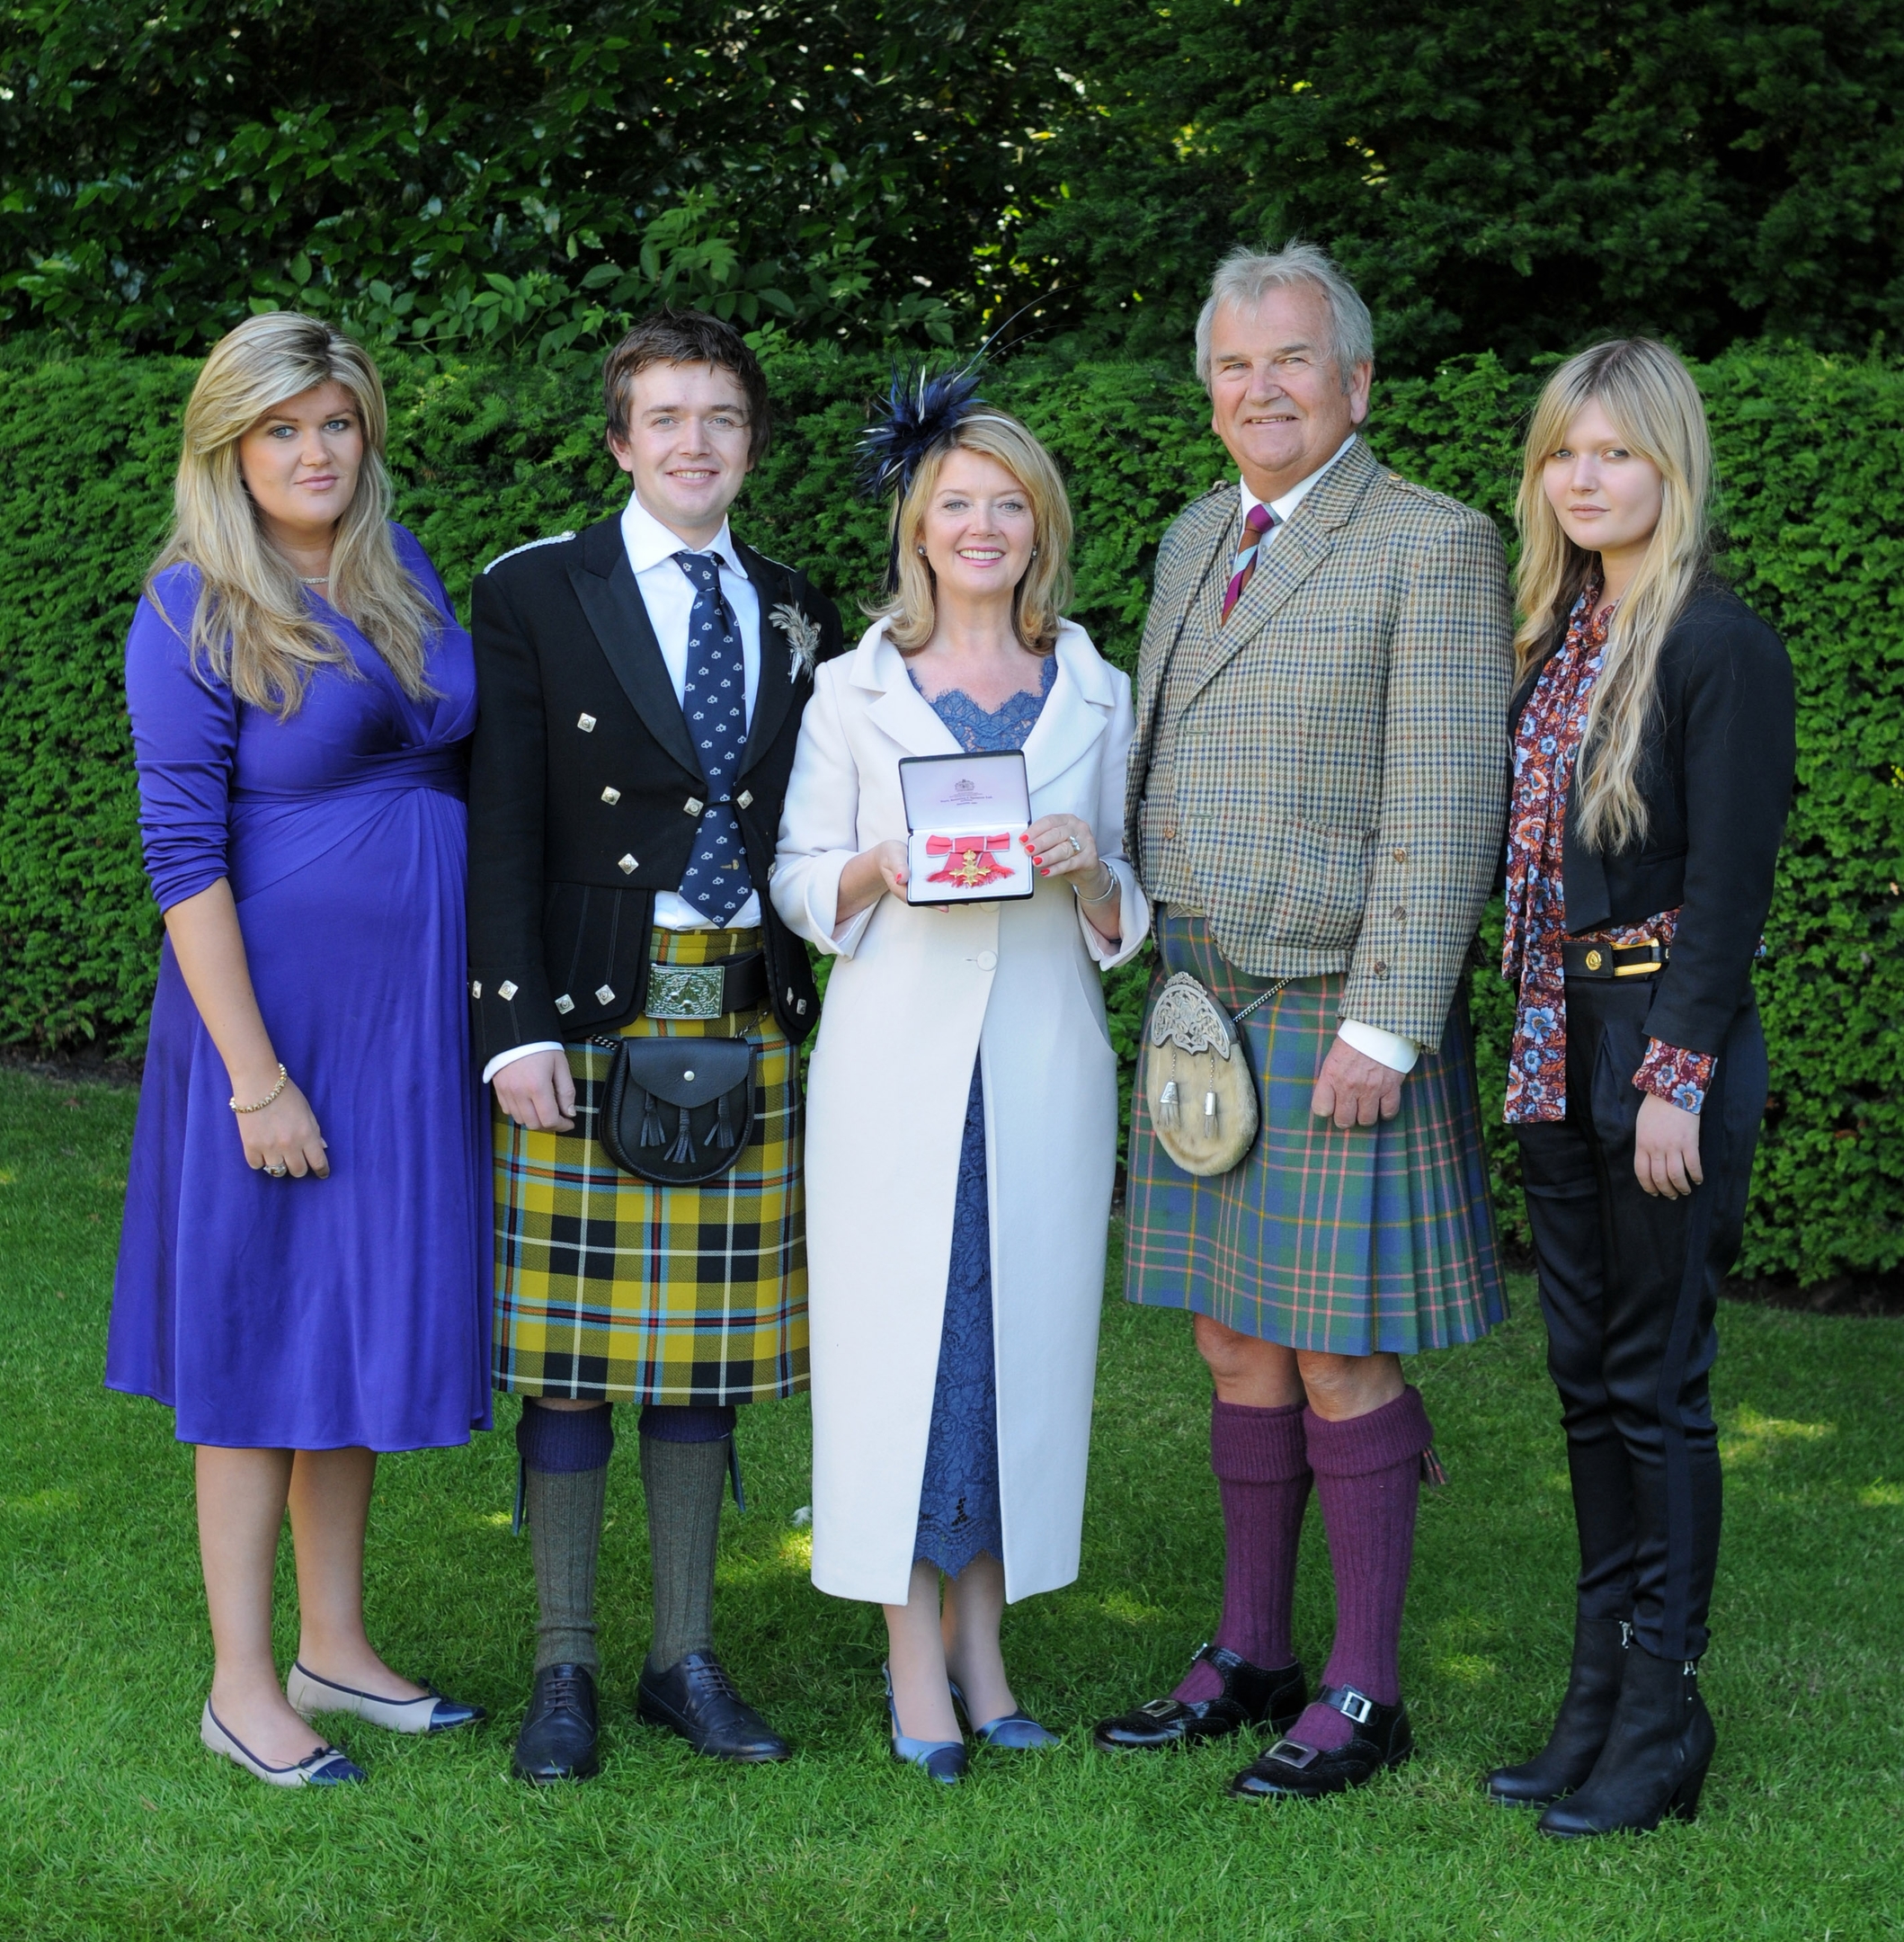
(1159, 1708)
(1293, 1753)
(1352, 1705)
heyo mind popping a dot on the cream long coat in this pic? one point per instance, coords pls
(916, 995)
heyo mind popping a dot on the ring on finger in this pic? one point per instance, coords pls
(1077, 849)
(278, 1172)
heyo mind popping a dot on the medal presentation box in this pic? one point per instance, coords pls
(964, 815)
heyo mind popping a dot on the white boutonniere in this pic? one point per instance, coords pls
(803, 632)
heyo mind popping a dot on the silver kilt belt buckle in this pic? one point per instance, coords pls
(686, 991)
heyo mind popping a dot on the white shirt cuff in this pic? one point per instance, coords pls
(1391, 1048)
(520, 1051)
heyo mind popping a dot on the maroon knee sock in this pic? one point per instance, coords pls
(1369, 1476)
(1262, 1475)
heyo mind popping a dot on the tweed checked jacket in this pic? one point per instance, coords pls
(1340, 773)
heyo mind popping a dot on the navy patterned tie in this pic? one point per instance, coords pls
(715, 700)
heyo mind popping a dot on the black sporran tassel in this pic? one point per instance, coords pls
(682, 1150)
(651, 1132)
(723, 1124)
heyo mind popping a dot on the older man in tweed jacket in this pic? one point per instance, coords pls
(1315, 802)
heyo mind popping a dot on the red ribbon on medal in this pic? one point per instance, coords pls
(969, 860)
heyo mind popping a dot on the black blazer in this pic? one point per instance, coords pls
(1715, 774)
(580, 777)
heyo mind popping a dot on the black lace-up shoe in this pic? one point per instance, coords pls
(1291, 1769)
(1251, 1697)
(557, 1741)
(697, 1700)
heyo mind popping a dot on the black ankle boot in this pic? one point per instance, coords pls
(1654, 1762)
(1579, 1728)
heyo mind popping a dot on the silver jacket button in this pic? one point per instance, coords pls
(611, 796)
(586, 723)
(627, 866)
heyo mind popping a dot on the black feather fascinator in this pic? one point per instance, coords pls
(921, 412)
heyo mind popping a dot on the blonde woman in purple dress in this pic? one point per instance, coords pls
(301, 1275)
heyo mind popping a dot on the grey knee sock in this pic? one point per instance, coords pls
(564, 1530)
(683, 1482)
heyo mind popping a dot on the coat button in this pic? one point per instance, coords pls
(565, 1004)
(506, 990)
(611, 796)
(604, 995)
(745, 798)
(1401, 855)
(627, 866)
(586, 723)
(1400, 914)
(1170, 832)
(694, 806)
(1381, 968)
(476, 987)
(988, 960)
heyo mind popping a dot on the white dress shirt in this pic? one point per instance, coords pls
(1389, 1048)
(668, 595)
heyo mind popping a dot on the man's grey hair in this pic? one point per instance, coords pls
(1246, 276)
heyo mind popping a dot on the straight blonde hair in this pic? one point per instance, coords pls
(1647, 393)
(1040, 597)
(252, 627)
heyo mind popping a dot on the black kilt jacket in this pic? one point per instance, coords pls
(586, 791)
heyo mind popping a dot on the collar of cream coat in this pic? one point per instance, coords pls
(1076, 711)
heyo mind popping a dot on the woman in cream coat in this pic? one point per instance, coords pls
(918, 997)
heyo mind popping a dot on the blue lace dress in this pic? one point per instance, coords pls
(958, 1501)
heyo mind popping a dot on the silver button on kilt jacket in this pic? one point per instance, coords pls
(1332, 762)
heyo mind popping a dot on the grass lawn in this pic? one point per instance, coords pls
(114, 1822)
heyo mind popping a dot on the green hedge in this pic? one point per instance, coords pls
(1811, 459)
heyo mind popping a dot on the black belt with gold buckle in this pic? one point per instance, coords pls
(1583, 960)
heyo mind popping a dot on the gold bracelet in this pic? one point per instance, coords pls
(284, 1079)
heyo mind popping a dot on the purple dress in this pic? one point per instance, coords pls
(308, 1314)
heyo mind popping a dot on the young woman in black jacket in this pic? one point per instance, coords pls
(1653, 747)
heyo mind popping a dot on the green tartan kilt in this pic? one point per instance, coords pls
(609, 1288)
(1379, 1238)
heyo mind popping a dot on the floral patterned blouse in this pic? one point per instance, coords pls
(1545, 744)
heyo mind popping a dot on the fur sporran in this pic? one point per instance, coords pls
(1196, 1077)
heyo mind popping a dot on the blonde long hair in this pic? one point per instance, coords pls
(1649, 395)
(1040, 597)
(253, 628)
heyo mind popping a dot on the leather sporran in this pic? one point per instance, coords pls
(1196, 1080)
(676, 1112)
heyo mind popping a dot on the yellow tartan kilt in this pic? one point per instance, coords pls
(609, 1288)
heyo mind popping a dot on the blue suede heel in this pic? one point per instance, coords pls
(944, 1760)
(1010, 1732)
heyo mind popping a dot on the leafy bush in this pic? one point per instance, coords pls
(489, 454)
(1501, 174)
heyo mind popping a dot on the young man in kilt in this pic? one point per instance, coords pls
(640, 686)
(1316, 799)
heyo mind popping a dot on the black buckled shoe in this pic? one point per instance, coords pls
(557, 1741)
(1291, 1769)
(1251, 1697)
(697, 1700)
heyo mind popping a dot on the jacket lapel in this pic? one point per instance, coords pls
(1074, 714)
(605, 586)
(774, 693)
(1288, 562)
(899, 711)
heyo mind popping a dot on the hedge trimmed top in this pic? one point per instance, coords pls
(488, 454)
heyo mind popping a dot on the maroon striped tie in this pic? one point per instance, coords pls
(1257, 525)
